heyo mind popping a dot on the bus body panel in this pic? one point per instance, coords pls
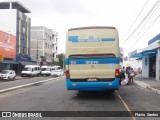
(89, 41)
(93, 86)
(102, 68)
(92, 57)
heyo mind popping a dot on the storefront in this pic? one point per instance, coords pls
(151, 58)
(9, 65)
(23, 60)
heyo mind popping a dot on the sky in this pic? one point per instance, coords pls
(60, 15)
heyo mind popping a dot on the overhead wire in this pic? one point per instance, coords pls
(146, 16)
(146, 31)
(143, 27)
(135, 20)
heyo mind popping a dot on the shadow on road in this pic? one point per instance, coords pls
(95, 95)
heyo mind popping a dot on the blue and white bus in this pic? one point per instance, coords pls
(92, 59)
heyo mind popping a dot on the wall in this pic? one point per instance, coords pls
(133, 63)
(46, 41)
(8, 33)
(23, 36)
(8, 18)
(145, 66)
(158, 65)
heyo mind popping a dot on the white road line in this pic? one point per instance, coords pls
(126, 106)
(29, 84)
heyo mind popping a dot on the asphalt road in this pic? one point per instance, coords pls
(53, 96)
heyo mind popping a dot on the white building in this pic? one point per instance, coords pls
(44, 44)
(132, 61)
(151, 58)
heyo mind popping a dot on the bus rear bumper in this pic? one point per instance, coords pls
(93, 86)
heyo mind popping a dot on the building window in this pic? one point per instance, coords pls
(46, 35)
(45, 54)
(52, 37)
(45, 44)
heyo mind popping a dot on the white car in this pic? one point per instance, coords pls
(8, 75)
(57, 71)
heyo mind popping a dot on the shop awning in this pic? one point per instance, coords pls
(154, 51)
(146, 52)
(27, 63)
(136, 56)
(9, 62)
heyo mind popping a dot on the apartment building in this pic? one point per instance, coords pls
(43, 44)
(14, 36)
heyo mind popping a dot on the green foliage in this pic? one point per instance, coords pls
(60, 63)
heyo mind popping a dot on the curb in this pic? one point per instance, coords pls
(153, 90)
(20, 78)
(144, 85)
(27, 85)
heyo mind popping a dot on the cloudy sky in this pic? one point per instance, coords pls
(60, 15)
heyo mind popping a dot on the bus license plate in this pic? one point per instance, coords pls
(92, 79)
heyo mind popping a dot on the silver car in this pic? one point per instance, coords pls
(8, 75)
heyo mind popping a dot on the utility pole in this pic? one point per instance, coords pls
(63, 60)
(38, 49)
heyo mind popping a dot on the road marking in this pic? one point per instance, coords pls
(126, 106)
(29, 84)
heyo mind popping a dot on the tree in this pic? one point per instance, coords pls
(60, 62)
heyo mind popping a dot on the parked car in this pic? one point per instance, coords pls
(57, 71)
(8, 75)
(31, 70)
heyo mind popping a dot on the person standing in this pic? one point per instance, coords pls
(128, 73)
(122, 75)
(132, 74)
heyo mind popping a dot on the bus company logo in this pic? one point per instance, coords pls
(7, 38)
(91, 37)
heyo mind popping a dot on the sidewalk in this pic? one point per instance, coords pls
(148, 83)
(18, 77)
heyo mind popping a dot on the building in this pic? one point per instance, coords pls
(151, 58)
(132, 60)
(15, 36)
(44, 44)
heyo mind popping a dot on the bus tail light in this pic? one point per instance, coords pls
(67, 74)
(117, 73)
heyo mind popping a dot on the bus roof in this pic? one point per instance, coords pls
(92, 27)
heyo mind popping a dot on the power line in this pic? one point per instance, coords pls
(146, 16)
(144, 26)
(146, 31)
(135, 20)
